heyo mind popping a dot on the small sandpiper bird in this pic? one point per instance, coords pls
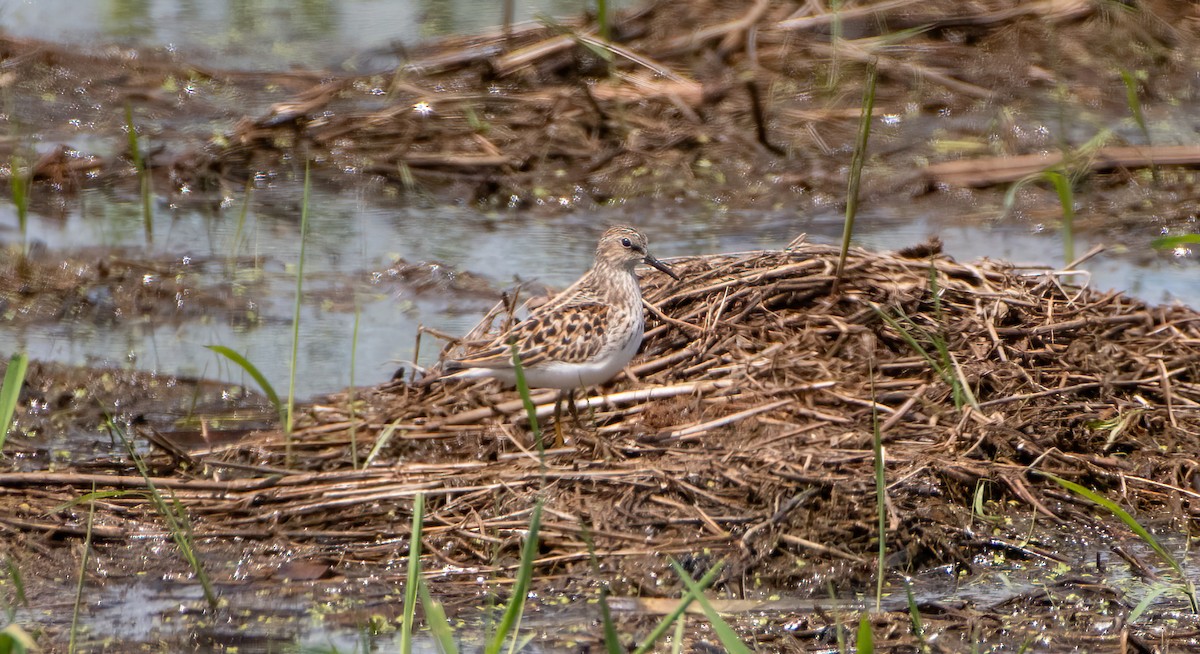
(582, 337)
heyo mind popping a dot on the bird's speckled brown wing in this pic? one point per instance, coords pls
(574, 333)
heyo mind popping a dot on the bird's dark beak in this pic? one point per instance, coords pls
(651, 261)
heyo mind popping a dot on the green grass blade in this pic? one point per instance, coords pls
(134, 151)
(1135, 527)
(906, 335)
(14, 640)
(685, 601)
(527, 401)
(10, 392)
(140, 165)
(677, 640)
(94, 496)
(728, 637)
(1172, 242)
(839, 627)
(435, 617)
(1135, 103)
(866, 640)
(1066, 200)
(1155, 592)
(381, 442)
(602, 19)
(612, 641)
(1122, 514)
(835, 38)
(252, 370)
(856, 163)
(914, 615)
(414, 574)
(516, 604)
(945, 365)
(173, 514)
(241, 221)
(18, 582)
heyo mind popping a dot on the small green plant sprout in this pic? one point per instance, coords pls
(415, 586)
(527, 402)
(1134, 100)
(865, 643)
(1115, 426)
(289, 420)
(676, 613)
(927, 343)
(10, 392)
(173, 513)
(83, 565)
(729, 639)
(18, 584)
(914, 614)
(19, 185)
(1062, 178)
(414, 575)
(143, 172)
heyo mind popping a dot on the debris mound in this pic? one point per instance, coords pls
(744, 430)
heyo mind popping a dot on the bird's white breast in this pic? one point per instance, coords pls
(563, 376)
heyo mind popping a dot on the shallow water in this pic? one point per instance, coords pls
(363, 35)
(354, 241)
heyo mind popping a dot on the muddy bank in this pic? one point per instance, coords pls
(737, 105)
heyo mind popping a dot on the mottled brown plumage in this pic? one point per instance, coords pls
(586, 334)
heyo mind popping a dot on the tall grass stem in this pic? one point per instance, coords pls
(142, 166)
(350, 393)
(856, 163)
(291, 403)
(880, 495)
(83, 563)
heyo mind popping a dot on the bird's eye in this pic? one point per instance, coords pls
(626, 243)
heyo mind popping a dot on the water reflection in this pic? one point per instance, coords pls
(265, 34)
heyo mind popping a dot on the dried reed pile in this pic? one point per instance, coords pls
(747, 432)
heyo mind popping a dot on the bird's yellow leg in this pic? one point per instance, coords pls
(558, 431)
